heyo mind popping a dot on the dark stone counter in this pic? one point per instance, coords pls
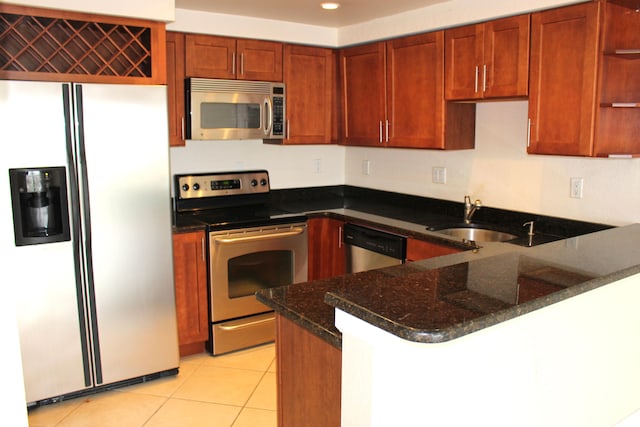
(444, 298)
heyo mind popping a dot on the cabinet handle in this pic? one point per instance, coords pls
(387, 130)
(528, 132)
(476, 84)
(287, 136)
(340, 237)
(203, 249)
(484, 78)
(380, 139)
(182, 128)
(233, 63)
(242, 64)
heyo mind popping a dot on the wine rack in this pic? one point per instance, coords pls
(65, 47)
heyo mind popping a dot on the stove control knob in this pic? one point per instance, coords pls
(196, 186)
(185, 187)
(254, 182)
(263, 182)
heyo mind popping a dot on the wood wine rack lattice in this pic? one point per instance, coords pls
(66, 46)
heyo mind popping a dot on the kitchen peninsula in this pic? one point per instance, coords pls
(516, 335)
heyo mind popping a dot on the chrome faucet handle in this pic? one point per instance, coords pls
(530, 224)
(467, 200)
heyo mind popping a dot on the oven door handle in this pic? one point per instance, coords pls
(276, 235)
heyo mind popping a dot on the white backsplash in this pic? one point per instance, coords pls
(498, 171)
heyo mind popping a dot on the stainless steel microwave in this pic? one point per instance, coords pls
(234, 109)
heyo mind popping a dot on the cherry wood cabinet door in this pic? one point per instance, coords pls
(488, 60)
(415, 99)
(210, 56)
(175, 87)
(310, 76)
(363, 94)
(326, 250)
(563, 77)
(463, 59)
(190, 276)
(420, 249)
(259, 60)
(506, 57)
(309, 377)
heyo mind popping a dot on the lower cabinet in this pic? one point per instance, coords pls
(309, 375)
(326, 250)
(420, 249)
(190, 279)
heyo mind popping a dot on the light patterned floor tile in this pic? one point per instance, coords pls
(113, 409)
(264, 397)
(219, 385)
(216, 388)
(165, 386)
(250, 417)
(188, 413)
(50, 415)
(256, 358)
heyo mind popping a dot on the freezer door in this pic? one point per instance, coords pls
(40, 279)
(129, 214)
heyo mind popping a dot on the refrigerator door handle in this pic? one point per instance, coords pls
(85, 227)
(76, 234)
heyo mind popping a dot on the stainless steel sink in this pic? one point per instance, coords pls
(477, 234)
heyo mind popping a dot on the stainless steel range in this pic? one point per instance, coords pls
(251, 246)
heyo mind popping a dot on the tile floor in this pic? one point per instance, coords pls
(233, 390)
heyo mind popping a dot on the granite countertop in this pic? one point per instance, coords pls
(443, 298)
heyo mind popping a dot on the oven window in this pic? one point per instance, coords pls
(225, 115)
(259, 270)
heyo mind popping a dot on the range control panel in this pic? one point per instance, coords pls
(221, 184)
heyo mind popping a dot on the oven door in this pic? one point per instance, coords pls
(247, 260)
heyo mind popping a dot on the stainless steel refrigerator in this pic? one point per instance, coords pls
(85, 234)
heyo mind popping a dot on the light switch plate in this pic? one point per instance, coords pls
(439, 175)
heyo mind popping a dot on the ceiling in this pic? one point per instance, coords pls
(308, 11)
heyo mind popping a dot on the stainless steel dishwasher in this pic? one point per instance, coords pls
(367, 248)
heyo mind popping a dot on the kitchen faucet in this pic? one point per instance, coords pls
(470, 209)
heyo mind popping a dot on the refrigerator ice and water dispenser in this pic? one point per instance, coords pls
(39, 201)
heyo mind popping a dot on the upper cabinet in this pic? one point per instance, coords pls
(363, 94)
(175, 87)
(564, 57)
(310, 76)
(392, 94)
(227, 58)
(40, 44)
(585, 80)
(488, 60)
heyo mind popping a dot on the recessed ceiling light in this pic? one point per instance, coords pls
(330, 6)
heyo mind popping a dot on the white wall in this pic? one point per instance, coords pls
(243, 26)
(156, 10)
(288, 166)
(502, 174)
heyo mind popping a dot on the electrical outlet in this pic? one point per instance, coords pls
(366, 167)
(576, 185)
(317, 165)
(439, 175)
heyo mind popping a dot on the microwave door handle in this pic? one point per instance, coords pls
(268, 112)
